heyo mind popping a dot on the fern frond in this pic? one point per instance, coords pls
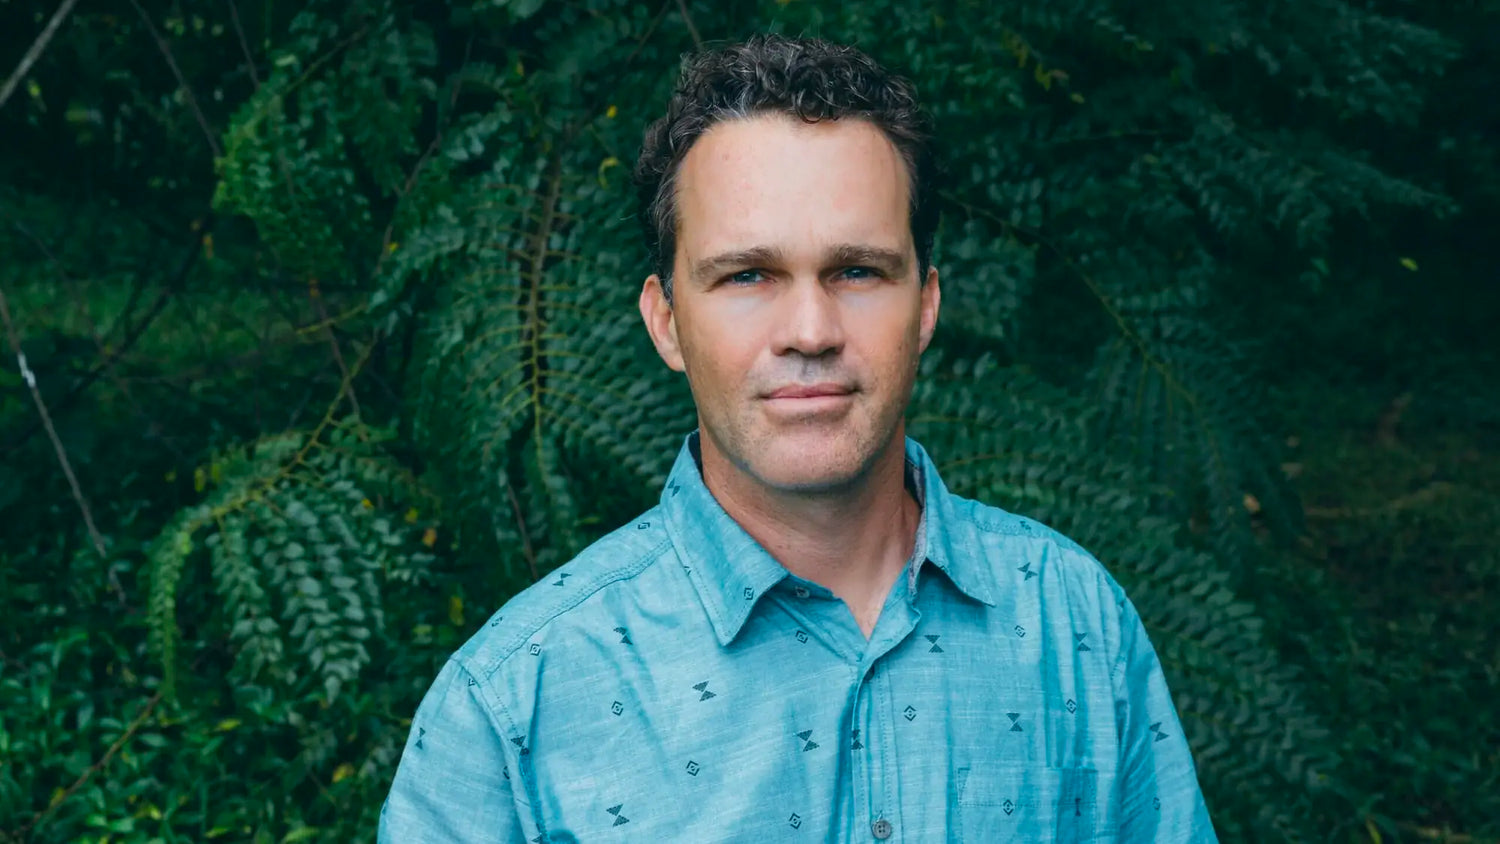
(299, 551)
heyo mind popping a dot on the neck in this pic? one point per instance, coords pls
(854, 540)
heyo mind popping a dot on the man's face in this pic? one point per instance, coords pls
(795, 271)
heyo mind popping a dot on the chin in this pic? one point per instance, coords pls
(809, 461)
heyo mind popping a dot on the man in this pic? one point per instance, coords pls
(809, 638)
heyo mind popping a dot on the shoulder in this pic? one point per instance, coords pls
(609, 568)
(1021, 548)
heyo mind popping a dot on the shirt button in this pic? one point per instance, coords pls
(881, 829)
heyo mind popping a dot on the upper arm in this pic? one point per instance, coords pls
(453, 783)
(1158, 785)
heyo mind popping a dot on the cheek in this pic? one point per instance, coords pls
(718, 354)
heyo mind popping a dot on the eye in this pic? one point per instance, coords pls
(862, 273)
(744, 278)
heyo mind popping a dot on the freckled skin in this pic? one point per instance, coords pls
(819, 483)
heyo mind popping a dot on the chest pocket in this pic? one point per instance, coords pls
(1000, 802)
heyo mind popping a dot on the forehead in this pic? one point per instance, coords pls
(774, 180)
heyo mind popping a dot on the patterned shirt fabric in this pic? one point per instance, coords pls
(674, 682)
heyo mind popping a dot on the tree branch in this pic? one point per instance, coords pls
(35, 52)
(190, 258)
(166, 53)
(688, 19)
(234, 14)
(62, 455)
(130, 731)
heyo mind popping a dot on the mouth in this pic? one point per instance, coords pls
(810, 401)
(804, 392)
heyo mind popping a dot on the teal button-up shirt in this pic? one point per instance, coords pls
(675, 683)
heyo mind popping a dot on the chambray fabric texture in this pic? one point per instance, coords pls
(673, 682)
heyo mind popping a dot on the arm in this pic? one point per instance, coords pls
(1158, 784)
(453, 783)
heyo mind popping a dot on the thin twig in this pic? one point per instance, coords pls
(35, 52)
(333, 341)
(166, 53)
(132, 334)
(526, 549)
(434, 146)
(234, 14)
(130, 731)
(688, 19)
(101, 341)
(62, 455)
(1431, 833)
(1420, 498)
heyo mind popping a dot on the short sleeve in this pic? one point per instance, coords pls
(453, 783)
(1158, 784)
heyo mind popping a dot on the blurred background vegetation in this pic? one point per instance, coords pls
(319, 343)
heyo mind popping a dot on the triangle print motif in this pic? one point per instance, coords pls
(619, 818)
(805, 735)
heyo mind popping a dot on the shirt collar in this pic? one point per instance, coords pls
(731, 571)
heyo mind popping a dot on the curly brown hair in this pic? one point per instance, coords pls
(808, 78)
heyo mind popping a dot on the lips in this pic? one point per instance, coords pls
(810, 391)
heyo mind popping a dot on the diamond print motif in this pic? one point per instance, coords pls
(806, 735)
(1071, 706)
(801, 637)
(535, 649)
(617, 707)
(749, 594)
(1008, 806)
(619, 818)
(795, 821)
(643, 526)
(1015, 721)
(910, 713)
(692, 768)
(703, 687)
(1020, 631)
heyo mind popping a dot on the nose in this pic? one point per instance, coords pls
(809, 322)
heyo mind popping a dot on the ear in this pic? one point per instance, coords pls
(932, 297)
(661, 323)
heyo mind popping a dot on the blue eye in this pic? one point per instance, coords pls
(745, 277)
(861, 273)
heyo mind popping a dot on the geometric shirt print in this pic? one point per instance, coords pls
(674, 682)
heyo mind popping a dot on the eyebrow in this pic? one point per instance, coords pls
(891, 261)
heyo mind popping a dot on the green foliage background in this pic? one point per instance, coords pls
(331, 307)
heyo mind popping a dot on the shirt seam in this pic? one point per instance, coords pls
(528, 631)
(523, 768)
